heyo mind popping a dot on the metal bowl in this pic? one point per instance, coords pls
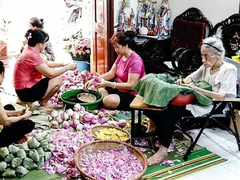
(86, 97)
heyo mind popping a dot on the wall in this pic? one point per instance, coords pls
(214, 10)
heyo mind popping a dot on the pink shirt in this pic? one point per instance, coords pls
(25, 75)
(134, 64)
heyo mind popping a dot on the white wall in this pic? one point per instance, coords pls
(214, 10)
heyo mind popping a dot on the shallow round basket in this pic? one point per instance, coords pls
(72, 94)
(86, 97)
(96, 128)
(105, 145)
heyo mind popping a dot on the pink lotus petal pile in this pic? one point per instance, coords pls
(115, 164)
(66, 144)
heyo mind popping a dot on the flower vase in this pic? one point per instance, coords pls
(82, 65)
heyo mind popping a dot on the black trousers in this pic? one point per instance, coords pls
(165, 122)
(15, 131)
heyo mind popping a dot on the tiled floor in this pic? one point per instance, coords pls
(217, 141)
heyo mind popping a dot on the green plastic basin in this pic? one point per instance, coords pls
(69, 98)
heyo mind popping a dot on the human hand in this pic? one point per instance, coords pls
(179, 82)
(190, 85)
(182, 81)
(87, 85)
(71, 66)
(27, 112)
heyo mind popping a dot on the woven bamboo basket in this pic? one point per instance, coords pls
(106, 145)
(96, 128)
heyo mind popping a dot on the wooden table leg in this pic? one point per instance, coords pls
(139, 123)
(132, 126)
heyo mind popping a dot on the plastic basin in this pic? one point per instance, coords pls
(69, 98)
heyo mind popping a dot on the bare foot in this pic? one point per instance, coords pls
(22, 140)
(49, 105)
(160, 156)
(157, 144)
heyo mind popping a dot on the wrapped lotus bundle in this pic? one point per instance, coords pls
(3, 166)
(40, 151)
(21, 153)
(4, 151)
(9, 173)
(24, 146)
(33, 143)
(16, 162)
(44, 144)
(33, 154)
(48, 155)
(21, 171)
(29, 164)
(41, 161)
(9, 158)
(13, 149)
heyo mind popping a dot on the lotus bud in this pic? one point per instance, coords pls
(87, 117)
(69, 112)
(103, 120)
(79, 127)
(76, 72)
(76, 107)
(54, 114)
(122, 123)
(65, 125)
(54, 124)
(65, 116)
(75, 116)
(59, 119)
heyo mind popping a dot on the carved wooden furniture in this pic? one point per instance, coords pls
(230, 30)
(182, 49)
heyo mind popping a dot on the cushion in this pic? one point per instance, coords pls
(182, 100)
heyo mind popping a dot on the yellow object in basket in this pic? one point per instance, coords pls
(111, 134)
(236, 58)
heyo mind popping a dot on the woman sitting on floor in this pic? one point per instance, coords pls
(116, 85)
(220, 75)
(14, 124)
(30, 68)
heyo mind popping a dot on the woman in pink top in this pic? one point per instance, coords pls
(30, 68)
(116, 85)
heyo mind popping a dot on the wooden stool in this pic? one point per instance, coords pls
(137, 104)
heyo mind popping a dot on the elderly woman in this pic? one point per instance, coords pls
(14, 125)
(220, 75)
(116, 85)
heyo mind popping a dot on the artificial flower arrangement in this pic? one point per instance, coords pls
(79, 49)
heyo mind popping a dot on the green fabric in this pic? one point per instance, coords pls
(159, 89)
(203, 84)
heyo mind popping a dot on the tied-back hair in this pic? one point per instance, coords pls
(36, 36)
(36, 22)
(123, 39)
(215, 45)
(2, 68)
